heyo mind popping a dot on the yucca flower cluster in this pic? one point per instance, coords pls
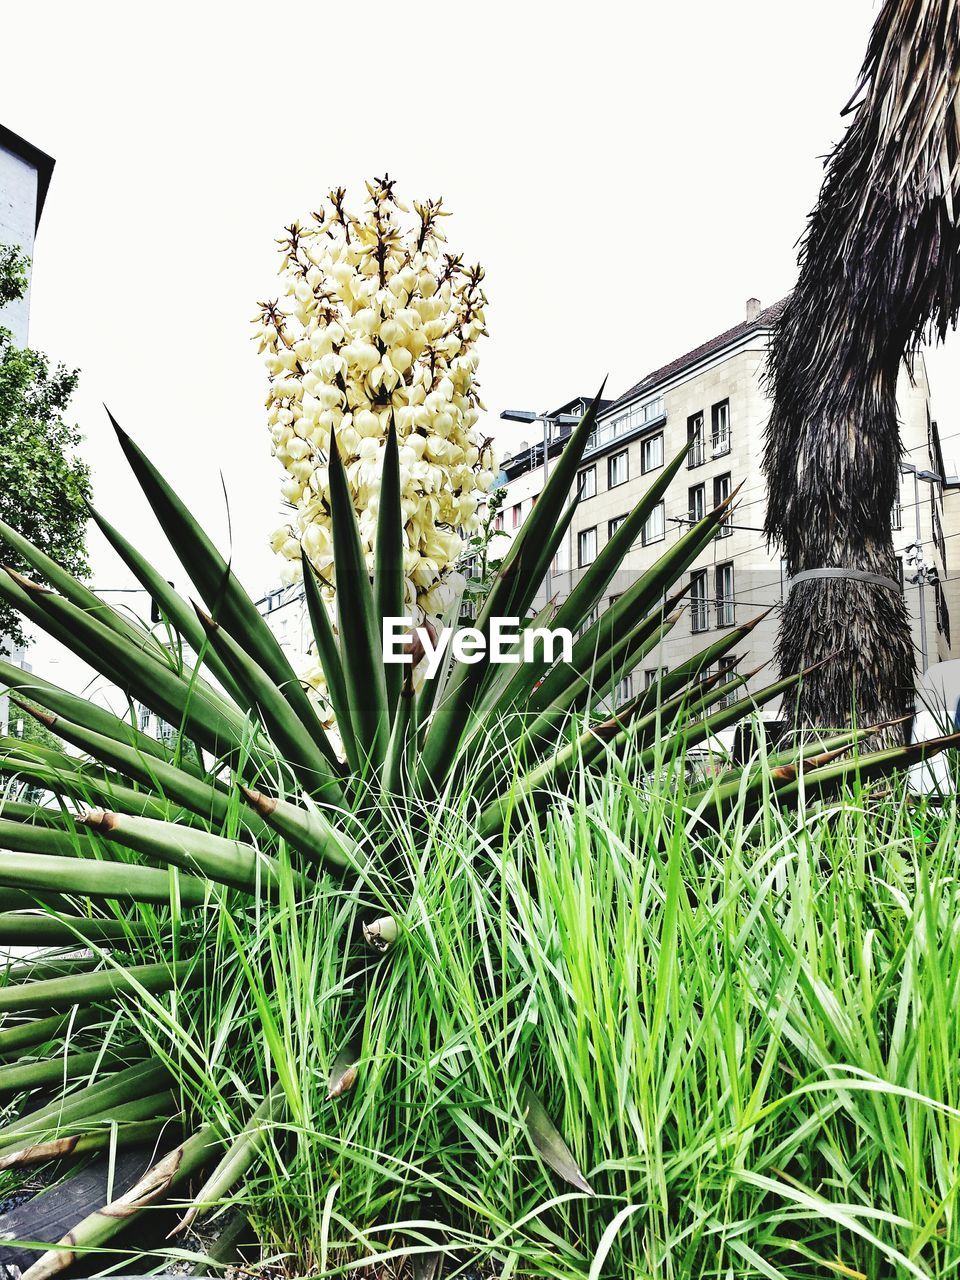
(378, 322)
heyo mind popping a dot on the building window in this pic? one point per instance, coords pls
(586, 546)
(614, 524)
(896, 515)
(588, 621)
(515, 515)
(899, 560)
(721, 491)
(937, 526)
(696, 446)
(696, 503)
(720, 421)
(699, 616)
(725, 597)
(624, 691)
(651, 453)
(727, 669)
(653, 528)
(618, 469)
(498, 520)
(652, 674)
(587, 482)
(943, 613)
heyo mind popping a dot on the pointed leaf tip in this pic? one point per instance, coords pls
(546, 1138)
(45, 718)
(208, 623)
(264, 805)
(121, 434)
(26, 583)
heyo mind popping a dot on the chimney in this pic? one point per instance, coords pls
(753, 309)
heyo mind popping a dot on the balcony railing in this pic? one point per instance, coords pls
(724, 612)
(636, 417)
(699, 615)
(721, 442)
(696, 452)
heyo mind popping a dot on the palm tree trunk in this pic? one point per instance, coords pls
(879, 271)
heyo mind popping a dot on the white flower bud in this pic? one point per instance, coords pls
(367, 423)
(365, 355)
(298, 449)
(401, 359)
(278, 538)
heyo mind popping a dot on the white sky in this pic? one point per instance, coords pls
(628, 175)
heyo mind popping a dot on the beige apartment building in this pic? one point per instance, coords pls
(712, 402)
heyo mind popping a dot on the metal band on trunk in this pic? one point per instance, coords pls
(861, 575)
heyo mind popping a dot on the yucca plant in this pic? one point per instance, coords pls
(249, 804)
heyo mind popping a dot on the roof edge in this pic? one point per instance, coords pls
(713, 346)
(33, 155)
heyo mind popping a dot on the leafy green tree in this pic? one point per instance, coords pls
(13, 274)
(44, 486)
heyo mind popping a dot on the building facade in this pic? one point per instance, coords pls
(712, 403)
(286, 614)
(25, 173)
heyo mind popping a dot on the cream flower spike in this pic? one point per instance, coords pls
(376, 321)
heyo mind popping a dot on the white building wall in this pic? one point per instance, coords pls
(286, 614)
(18, 211)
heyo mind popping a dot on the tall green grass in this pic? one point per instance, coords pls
(745, 1031)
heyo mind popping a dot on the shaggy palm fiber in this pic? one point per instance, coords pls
(879, 273)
